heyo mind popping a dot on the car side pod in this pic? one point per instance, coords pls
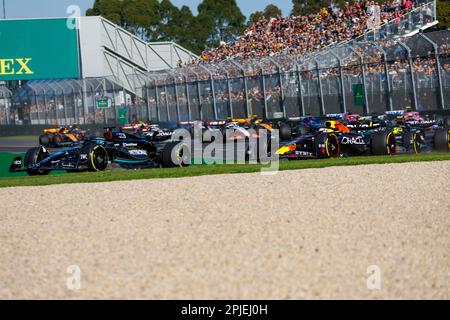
(16, 165)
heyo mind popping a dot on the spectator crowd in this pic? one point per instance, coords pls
(300, 35)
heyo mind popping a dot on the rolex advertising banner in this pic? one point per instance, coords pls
(38, 49)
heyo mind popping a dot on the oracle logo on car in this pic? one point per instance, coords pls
(15, 66)
(353, 140)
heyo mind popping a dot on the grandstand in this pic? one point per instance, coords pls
(296, 66)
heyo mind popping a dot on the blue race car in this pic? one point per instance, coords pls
(94, 154)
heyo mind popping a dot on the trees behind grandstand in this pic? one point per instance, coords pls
(156, 20)
(305, 7)
(271, 11)
(443, 12)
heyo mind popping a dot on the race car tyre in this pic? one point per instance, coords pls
(33, 156)
(327, 145)
(56, 140)
(413, 141)
(442, 140)
(383, 143)
(285, 132)
(97, 157)
(176, 154)
(418, 141)
(44, 140)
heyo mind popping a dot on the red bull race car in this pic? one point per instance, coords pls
(332, 139)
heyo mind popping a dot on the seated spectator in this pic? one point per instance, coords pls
(306, 34)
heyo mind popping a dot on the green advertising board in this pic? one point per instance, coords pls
(358, 95)
(123, 115)
(102, 103)
(38, 49)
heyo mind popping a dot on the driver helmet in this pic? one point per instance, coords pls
(411, 116)
(351, 117)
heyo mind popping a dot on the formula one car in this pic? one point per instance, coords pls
(150, 132)
(332, 139)
(230, 129)
(61, 137)
(94, 154)
(417, 134)
(414, 133)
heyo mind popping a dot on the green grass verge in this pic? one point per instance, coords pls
(6, 160)
(200, 170)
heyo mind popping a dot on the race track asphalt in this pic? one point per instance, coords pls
(17, 144)
(309, 234)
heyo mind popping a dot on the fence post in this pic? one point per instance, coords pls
(411, 68)
(388, 79)
(44, 95)
(228, 89)
(322, 103)
(266, 109)
(177, 102)
(105, 111)
(439, 69)
(199, 95)
(167, 101)
(37, 108)
(280, 73)
(244, 77)
(84, 101)
(188, 98)
(65, 108)
(158, 112)
(300, 90)
(361, 59)
(341, 80)
(213, 89)
(147, 103)
(113, 100)
(94, 105)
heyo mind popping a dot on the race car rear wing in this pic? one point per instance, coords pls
(395, 113)
(208, 123)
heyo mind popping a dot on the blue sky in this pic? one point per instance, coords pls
(57, 8)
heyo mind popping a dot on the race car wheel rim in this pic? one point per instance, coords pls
(332, 146)
(391, 144)
(108, 135)
(418, 142)
(99, 158)
(448, 139)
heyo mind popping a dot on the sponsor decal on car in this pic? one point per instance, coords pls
(304, 154)
(353, 140)
(138, 152)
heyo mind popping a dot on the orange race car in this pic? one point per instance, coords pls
(61, 137)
